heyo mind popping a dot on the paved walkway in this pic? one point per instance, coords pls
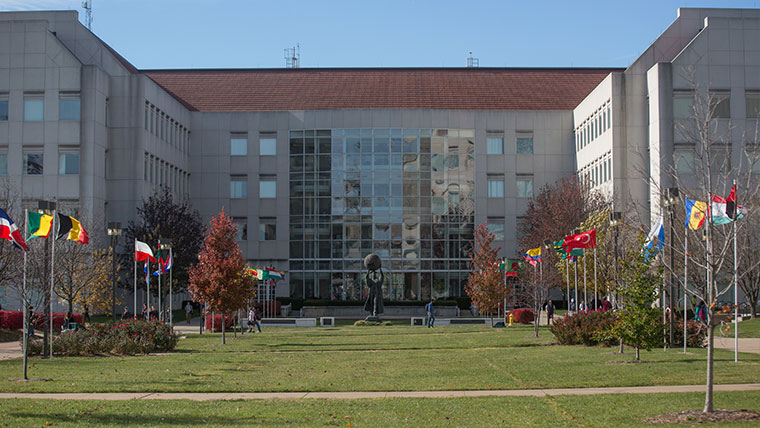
(379, 394)
(745, 345)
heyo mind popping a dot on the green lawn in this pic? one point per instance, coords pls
(622, 410)
(747, 329)
(374, 359)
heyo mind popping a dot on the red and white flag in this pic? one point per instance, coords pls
(143, 252)
(580, 240)
(9, 231)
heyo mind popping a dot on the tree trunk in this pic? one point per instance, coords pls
(753, 309)
(536, 321)
(71, 306)
(709, 386)
(638, 354)
(224, 341)
(620, 350)
(235, 325)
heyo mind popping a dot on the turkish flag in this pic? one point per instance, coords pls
(581, 240)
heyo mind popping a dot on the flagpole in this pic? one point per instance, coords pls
(567, 275)
(736, 284)
(685, 279)
(134, 309)
(596, 298)
(147, 287)
(585, 291)
(160, 308)
(504, 278)
(171, 258)
(23, 296)
(576, 283)
(52, 273)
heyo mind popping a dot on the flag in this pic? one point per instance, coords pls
(38, 225)
(160, 262)
(143, 252)
(695, 213)
(574, 254)
(169, 262)
(533, 255)
(147, 270)
(9, 231)
(725, 210)
(559, 249)
(581, 240)
(256, 273)
(273, 274)
(656, 238)
(512, 267)
(70, 228)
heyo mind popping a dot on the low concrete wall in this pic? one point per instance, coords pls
(288, 322)
(357, 312)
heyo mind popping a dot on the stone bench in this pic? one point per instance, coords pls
(288, 322)
(327, 321)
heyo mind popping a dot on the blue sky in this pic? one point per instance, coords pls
(389, 33)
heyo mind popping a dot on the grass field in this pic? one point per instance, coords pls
(624, 410)
(374, 359)
(747, 329)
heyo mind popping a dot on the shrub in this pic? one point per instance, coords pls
(14, 320)
(695, 334)
(217, 322)
(522, 315)
(131, 337)
(11, 320)
(584, 328)
(365, 323)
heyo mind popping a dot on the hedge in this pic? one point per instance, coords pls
(522, 315)
(217, 322)
(14, 320)
(582, 328)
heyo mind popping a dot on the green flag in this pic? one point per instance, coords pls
(513, 266)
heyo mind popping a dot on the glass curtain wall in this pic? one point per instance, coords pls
(404, 194)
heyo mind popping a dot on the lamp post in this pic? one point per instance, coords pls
(671, 199)
(166, 244)
(48, 207)
(114, 230)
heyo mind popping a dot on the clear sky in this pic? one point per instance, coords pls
(385, 33)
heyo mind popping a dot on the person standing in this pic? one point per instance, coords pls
(549, 312)
(188, 312)
(430, 312)
(253, 319)
(125, 315)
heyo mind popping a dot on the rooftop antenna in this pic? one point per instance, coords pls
(472, 61)
(293, 57)
(87, 5)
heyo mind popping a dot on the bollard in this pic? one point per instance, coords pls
(511, 319)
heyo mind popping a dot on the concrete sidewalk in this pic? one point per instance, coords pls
(745, 345)
(379, 394)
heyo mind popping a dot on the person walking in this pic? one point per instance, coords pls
(188, 312)
(430, 312)
(125, 315)
(253, 319)
(549, 312)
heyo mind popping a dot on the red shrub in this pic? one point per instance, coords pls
(11, 320)
(522, 315)
(217, 322)
(57, 320)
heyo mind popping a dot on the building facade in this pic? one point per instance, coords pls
(320, 167)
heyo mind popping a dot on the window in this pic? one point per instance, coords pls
(267, 229)
(239, 187)
(33, 163)
(68, 163)
(267, 144)
(524, 143)
(267, 187)
(69, 107)
(495, 144)
(682, 105)
(720, 161)
(496, 226)
(720, 104)
(242, 228)
(495, 186)
(524, 187)
(239, 144)
(34, 109)
(684, 161)
(753, 156)
(3, 163)
(3, 108)
(752, 101)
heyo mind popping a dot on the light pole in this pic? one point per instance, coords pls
(114, 230)
(615, 219)
(166, 244)
(48, 207)
(671, 199)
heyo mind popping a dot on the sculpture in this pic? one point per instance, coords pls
(374, 277)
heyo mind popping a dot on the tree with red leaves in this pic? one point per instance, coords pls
(485, 285)
(220, 278)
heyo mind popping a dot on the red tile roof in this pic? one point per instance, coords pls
(376, 88)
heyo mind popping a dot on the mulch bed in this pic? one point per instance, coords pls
(697, 416)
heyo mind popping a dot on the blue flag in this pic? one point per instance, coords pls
(656, 239)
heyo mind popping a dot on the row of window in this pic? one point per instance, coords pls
(593, 126)
(161, 173)
(267, 144)
(164, 127)
(239, 186)
(720, 104)
(68, 163)
(523, 143)
(597, 172)
(496, 186)
(34, 106)
(267, 228)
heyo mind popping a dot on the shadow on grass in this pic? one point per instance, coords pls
(95, 418)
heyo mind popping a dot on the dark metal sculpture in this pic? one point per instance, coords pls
(375, 278)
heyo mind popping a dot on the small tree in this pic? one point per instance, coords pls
(97, 283)
(637, 324)
(485, 285)
(219, 278)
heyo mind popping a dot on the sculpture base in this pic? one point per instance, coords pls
(373, 319)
